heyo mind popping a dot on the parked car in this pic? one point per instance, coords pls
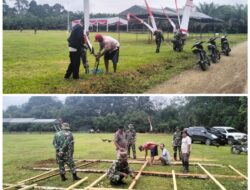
(231, 133)
(222, 137)
(203, 135)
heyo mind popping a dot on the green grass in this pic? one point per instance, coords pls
(21, 152)
(37, 64)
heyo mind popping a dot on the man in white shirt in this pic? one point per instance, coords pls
(109, 48)
(165, 156)
(185, 150)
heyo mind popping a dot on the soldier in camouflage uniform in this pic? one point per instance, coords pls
(119, 170)
(64, 146)
(159, 38)
(177, 137)
(131, 138)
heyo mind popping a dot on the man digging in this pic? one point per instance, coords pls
(64, 146)
(109, 48)
(119, 170)
(131, 138)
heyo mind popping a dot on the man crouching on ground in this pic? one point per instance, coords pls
(120, 170)
(109, 48)
(165, 156)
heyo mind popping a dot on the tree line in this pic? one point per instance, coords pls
(30, 15)
(107, 113)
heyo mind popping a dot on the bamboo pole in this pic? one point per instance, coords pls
(52, 175)
(99, 188)
(42, 187)
(212, 177)
(138, 176)
(29, 187)
(174, 180)
(12, 186)
(160, 174)
(155, 163)
(77, 184)
(238, 172)
(96, 181)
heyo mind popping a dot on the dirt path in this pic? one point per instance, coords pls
(229, 76)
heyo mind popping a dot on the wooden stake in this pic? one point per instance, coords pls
(96, 181)
(138, 176)
(238, 172)
(212, 177)
(77, 184)
(174, 180)
(29, 187)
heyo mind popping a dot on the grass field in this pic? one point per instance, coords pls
(37, 64)
(21, 152)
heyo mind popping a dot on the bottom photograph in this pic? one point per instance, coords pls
(125, 142)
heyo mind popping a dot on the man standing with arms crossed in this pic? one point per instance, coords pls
(120, 141)
(177, 143)
(131, 138)
(185, 150)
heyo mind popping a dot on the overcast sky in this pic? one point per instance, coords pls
(19, 100)
(116, 6)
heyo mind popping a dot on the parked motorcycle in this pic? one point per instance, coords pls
(225, 45)
(200, 53)
(214, 53)
(177, 44)
(239, 146)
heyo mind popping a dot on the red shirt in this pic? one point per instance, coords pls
(149, 145)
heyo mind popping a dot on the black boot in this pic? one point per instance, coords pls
(63, 178)
(175, 156)
(75, 177)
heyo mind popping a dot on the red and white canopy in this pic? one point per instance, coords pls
(103, 21)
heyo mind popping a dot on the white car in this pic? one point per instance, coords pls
(231, 133)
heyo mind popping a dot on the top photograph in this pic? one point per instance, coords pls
(125, 47)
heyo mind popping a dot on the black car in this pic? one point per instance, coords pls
(206, 136)
(222, 139)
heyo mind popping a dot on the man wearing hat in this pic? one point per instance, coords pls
(109, 48)
(120, 141)
(177, 143)
(119, 170)
(64, 146)
(131, 138)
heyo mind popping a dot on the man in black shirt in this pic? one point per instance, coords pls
(76, 42)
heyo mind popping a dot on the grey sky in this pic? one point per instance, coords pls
(116, 6)
(19, 100)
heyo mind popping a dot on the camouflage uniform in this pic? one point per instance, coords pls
(84, 59)
(64, 143)
(158, 39)
(177, 137)
(131, 138)
(118, 167)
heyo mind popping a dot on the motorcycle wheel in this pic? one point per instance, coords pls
(203, 65)
(234, 150)
(214, 58)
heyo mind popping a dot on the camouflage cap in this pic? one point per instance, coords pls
(65, 126)
(130, 126)
(123, 156)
